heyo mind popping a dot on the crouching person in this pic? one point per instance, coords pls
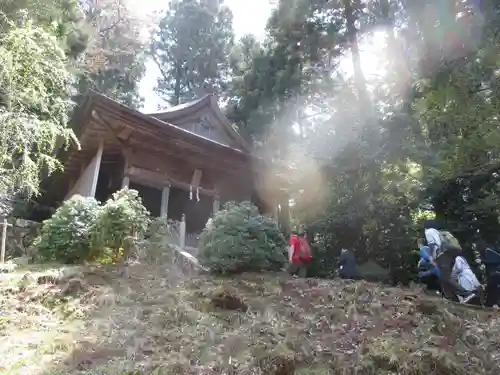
(443, 255)
(458, 282)
(467, 280)
(347, 265)
(299, 254)
(428, 269)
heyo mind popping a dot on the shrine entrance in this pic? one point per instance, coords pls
(197, 208)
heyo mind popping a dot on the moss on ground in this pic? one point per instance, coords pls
(154, 321)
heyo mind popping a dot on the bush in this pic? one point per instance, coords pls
(242, 240)
(121, 222)
(66, 236)
(156, 247)
(372, 271)
(324, 264)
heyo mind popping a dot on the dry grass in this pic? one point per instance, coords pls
(155, 322)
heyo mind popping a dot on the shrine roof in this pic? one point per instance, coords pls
(152, 122)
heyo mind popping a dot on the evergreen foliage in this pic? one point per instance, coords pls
(82, 229)
(369, 152)
(192, 50)
(122, 221)
(67, 236)
(35, 90)
(242, 240)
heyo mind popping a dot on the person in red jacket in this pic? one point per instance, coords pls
(300, 254)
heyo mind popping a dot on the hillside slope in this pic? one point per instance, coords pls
(154, 321)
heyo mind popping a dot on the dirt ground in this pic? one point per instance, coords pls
(153, 320)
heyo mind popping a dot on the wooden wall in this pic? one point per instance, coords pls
(235, 187)
(176, 168)
(228, 187)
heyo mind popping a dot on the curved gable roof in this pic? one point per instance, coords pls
(172, 114)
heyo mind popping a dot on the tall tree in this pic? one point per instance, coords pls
(35, 88)
(352, 10)
(192, 49)
(431, 111)
(113, 63)
(66, 15)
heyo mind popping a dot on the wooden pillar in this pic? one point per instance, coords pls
(125, 182)
(5, 225)
(97, 167)
(86, 183)
(276, 210)
(164, 200)
(126, 165)
(182, 232)
(216, 204)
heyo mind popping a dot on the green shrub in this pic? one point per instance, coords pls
(156, 246)
(242, 240)
(66, 236)
(372, 271)
(121, 222)
(323, 264)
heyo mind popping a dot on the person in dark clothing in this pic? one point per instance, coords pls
(493, 289)
(347, 265)
(492, 262)
(431, 282)
(450, 287)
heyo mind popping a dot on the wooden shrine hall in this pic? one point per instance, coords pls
(187, 160)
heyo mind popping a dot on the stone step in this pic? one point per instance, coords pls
(187, 262)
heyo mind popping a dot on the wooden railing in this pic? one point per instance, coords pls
(178, 229)
(175, 230)
(192, 239)
(180, 236)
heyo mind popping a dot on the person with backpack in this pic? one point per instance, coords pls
(300, 254)
(444, 249)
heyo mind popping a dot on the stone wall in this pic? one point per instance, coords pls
(20, 237)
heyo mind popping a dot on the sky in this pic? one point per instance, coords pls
(250, 17)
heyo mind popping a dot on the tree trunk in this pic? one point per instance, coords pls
(359, 76)
(399, 61)
(176, 100)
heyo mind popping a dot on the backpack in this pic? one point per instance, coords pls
(305, 253)
(449, 242)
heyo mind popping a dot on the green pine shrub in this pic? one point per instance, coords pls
(66, 236)
(121, 223)
(242, 240)
(156, 247)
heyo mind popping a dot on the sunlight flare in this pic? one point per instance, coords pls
(373, 56)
